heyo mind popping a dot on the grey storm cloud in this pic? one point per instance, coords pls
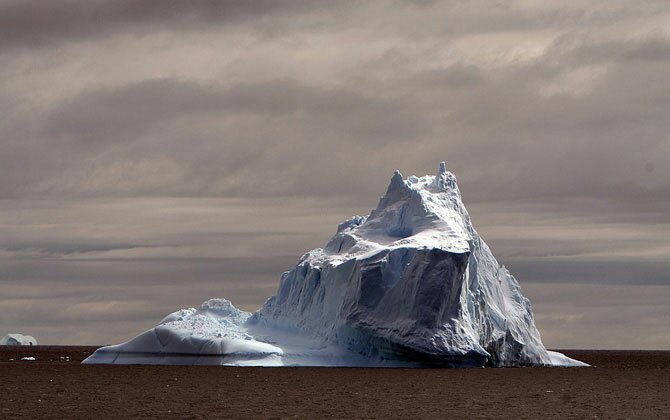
(154, 154)
(40, 24)
(136, 108)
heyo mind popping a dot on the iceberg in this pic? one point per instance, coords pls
(18, 340)
(410, 285)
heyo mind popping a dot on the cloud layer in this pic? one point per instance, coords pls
(139, 134)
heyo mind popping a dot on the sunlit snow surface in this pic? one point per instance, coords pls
(412, 284)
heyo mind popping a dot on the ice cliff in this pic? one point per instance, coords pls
(411, 284)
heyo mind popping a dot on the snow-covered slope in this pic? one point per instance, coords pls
(214, 334)
(18, 340)
(412, 284)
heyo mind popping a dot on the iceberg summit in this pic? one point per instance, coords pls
(410, 285)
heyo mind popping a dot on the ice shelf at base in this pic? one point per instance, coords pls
(192, 337)
(412, 284)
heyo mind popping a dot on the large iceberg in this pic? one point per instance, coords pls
(412, 284)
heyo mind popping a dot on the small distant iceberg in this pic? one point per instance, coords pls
(18, 340)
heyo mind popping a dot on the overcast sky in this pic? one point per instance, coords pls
(156, 154)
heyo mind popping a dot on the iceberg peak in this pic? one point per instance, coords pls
(444, 180)
(442, 168)
(397, 181)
